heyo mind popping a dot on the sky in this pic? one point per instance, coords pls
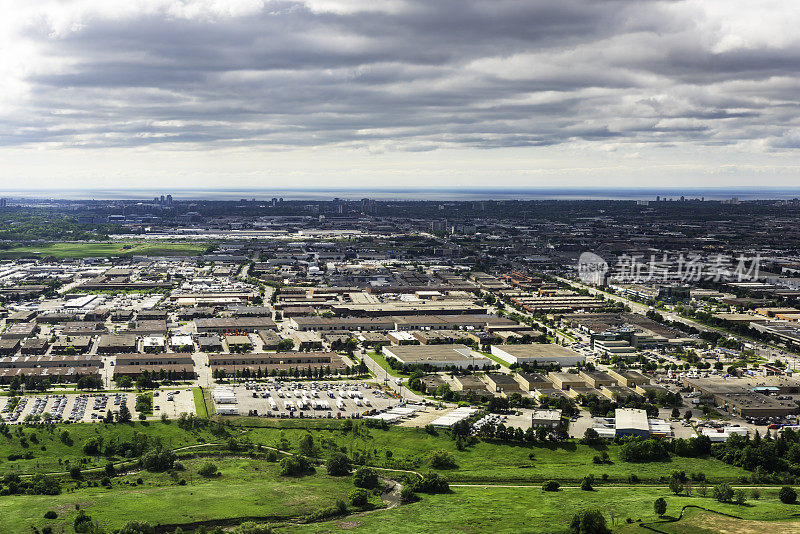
(395, 93)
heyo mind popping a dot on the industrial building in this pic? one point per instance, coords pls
(439, 356)
(539, 353)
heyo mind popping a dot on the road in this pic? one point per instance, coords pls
(381, 374)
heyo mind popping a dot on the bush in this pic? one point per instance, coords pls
(442, 459)
(294, 466)
(647, 450)
(208, 469)
(358, 497)
(365, 477)
(253, 528)
(158, 460)
(740, 496)
(660, 506)
(75, 472)
(589, 522)
(50, 514)
(755, 493)
(272, 456)
(338, 465)
(586, 484)
(787, 495)
(407, 495)
(551, 485)
(723, 492)
(137, 527)
(432, 483)
(83, 523)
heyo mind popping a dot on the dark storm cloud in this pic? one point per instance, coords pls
(416, 74)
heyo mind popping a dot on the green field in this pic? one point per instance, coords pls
(67, 250)
(490, 462)
(395, 448)
(51, 454)
(246, 489)
(531, 510)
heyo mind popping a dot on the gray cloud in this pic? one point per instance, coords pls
(420, 74)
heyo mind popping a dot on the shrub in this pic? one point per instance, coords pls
(442, 459)
(647, 450)
(432, 483)
(740, 496)
(294, 466)
(158, 460)
(551, 485)
(137, 527)
(755, 493)
(723, 492)
(208, 469)
(272, 456)
(365, 477)
(338, 465)
(50, 514)
(586, 484)
(358, 497)
(787, 495)
(589, 522)
(253, 528)
(407, 495)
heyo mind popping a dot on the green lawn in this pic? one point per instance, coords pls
(494, 358)
(200, 403)
(50, 448)
(531, 510)
(106, 249)
(487, 462)
(245, 489)
(380, 359)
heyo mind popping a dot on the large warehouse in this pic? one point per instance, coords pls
(436, 356)
(540, 353)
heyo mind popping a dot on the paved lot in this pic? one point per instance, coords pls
(309, 399)
(69, 407)
(173, 402)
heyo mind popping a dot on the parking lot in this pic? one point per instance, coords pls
(308, 399)
(72, 408)
(173, 402)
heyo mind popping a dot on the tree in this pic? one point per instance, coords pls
(660, 506)
(586, 484)
(338, 465)
(124, 382)
(75, 472)
(675, 485)
(676, 413)
(306, 445)
(723, 492)
(739, 496)
(787, 495)
(589, 522)
(359, 497)
(124, 414)
(591, 437)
